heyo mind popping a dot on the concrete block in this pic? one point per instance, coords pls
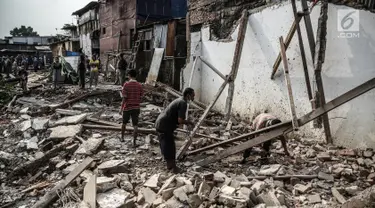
(150, 196)
(40, 124)
(232, 201)
(105, 183)
(89, 147)
(204, 189)
(269, 170)
(152, 182)
(269, 199)
(62, 132)
(194, 201)
(114, 198)
(71, 120)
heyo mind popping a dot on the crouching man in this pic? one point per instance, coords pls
(167, 122)
(265, 120)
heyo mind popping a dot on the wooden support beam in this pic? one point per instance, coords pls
(84, 96)
(288, 84)
(302, 50)
(309, 29)
(285, 129)
(319, 60)
(188, 141)
(52, 195)
(239, 138)
(288, 39)
(106, 125)
(172, 92)
(212, 67)
(236, 62)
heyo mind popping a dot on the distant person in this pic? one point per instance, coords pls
(82, 71)
(94, 73)
(168, 121)
(1, 64)
(56, 69)
(23, 74)
(132, 92)
(36, 63)
(122, 66)
(8, 67)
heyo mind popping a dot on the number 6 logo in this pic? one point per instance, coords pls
(347, 20)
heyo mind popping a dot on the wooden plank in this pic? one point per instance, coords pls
(244, 146)
(319, 60)
(283, 177)
(288, 39)
(303, 54)
(212, 67)
(155, 66)
(239, 138)
(188, 141)
(302, 121)
(288, 84)
(174, 93)
(309, 29)
(363, 88)
(89, 192)
(52, 195)
(236, 62)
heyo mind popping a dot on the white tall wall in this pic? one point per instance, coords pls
(348, 63)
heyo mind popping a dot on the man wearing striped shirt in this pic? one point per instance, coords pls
(132, 92)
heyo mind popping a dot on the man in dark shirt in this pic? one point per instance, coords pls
(132, 93)
(122, 65)
(168, 121)
(82, 71)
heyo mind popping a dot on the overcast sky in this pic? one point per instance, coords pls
(42, 15)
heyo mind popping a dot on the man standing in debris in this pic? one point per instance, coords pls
(168, 121)
(132, 93)
(122, 65)
(82, 71)
(94, 73)
(56, 67)
(265, 120)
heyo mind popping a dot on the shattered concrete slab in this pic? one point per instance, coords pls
(149, 195)
(63, 132)
(40, 124)
(71, 120)
(89, 147)
(104, 184)
(25, 125)
(231, 201)
(111, 165)
(114, 198)
(152, 182)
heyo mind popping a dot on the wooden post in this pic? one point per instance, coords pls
(302, 50)
(188, 141)
(288, 84)
(319, 60)
(212, 67)
(346, 97)
(236, 62)
(309, 30)
(288, 39)
(188, 37)
(50, 196)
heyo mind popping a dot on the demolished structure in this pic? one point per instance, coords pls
(62, 148)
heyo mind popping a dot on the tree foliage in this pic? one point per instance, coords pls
(23, 31)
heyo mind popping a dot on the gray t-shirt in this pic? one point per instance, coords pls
(168, 120)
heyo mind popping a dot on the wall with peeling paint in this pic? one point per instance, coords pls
(348, 63)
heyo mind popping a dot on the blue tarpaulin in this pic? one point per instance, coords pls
(179, 8)
(161, 9)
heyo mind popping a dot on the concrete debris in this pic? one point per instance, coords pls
(114, 198)
(148, 194)
(25, 125)
(63, 132)
(40, 124)
(89, 147)
(128, 177)
(315, 198)
(71, 120)
(269, 170)
(340, 198)
(104, 184)
(152, 182)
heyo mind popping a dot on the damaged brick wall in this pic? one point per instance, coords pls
(222, 15)
(116, 16)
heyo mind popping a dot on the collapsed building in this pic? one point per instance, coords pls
(347, 63)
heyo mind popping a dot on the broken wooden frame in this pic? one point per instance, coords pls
(281, 129)
(288, 39)
(188, 141)
(236, 62)
(288, 84)
(50, 196)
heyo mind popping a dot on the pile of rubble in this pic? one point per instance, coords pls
(65, 145)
